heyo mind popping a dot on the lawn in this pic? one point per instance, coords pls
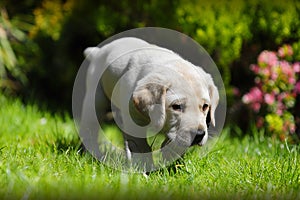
(39, 159)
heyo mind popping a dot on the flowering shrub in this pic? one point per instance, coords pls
(274, 94)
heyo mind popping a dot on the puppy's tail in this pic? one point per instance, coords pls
(91, 52)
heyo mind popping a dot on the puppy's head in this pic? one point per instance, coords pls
(182, 108)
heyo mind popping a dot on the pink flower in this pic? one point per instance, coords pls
(280, 108)
(296, 67)
(269, 99)
(267, 57)
(254, 68)
(286, 68)
(292, 128)
(266, 72)
(236, 91)
(285, 50)
(281, 96)
(297, 87)
(274, 75)
(256, 106)
(279, 112)
(289, 50)
(292, 80)
(277, 84)
(255, 95)
(246, 99)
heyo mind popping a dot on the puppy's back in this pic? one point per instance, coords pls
(121, 46)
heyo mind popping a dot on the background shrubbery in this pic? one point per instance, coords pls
(273, 97)
(42, 41)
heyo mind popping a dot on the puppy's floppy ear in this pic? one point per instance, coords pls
(214, 99)
(149, 99)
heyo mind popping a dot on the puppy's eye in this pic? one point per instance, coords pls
(205, 107)
(177, 107)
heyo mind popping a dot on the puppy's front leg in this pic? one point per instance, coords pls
(128, 152)
(138, 152)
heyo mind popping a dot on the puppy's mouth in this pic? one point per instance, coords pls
(200, 137)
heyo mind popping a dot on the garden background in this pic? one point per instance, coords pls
(255, 44)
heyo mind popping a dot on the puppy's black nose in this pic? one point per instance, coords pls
(199, 134)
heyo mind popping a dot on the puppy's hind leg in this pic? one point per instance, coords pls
(89, 125)
(102, 104)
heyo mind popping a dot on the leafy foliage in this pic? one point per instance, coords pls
(220, 27)
(50, 18)
(11, 63)
(231, 30)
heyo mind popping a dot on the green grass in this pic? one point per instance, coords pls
(39, 159)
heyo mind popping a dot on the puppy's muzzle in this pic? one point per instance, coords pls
(199, 135)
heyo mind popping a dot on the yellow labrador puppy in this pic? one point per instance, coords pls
(150, 88)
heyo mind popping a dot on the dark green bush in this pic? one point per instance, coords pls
(14, 52)
(233, 32)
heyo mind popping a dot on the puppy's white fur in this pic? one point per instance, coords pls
(156, 80)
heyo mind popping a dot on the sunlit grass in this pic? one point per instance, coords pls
(40, 158)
